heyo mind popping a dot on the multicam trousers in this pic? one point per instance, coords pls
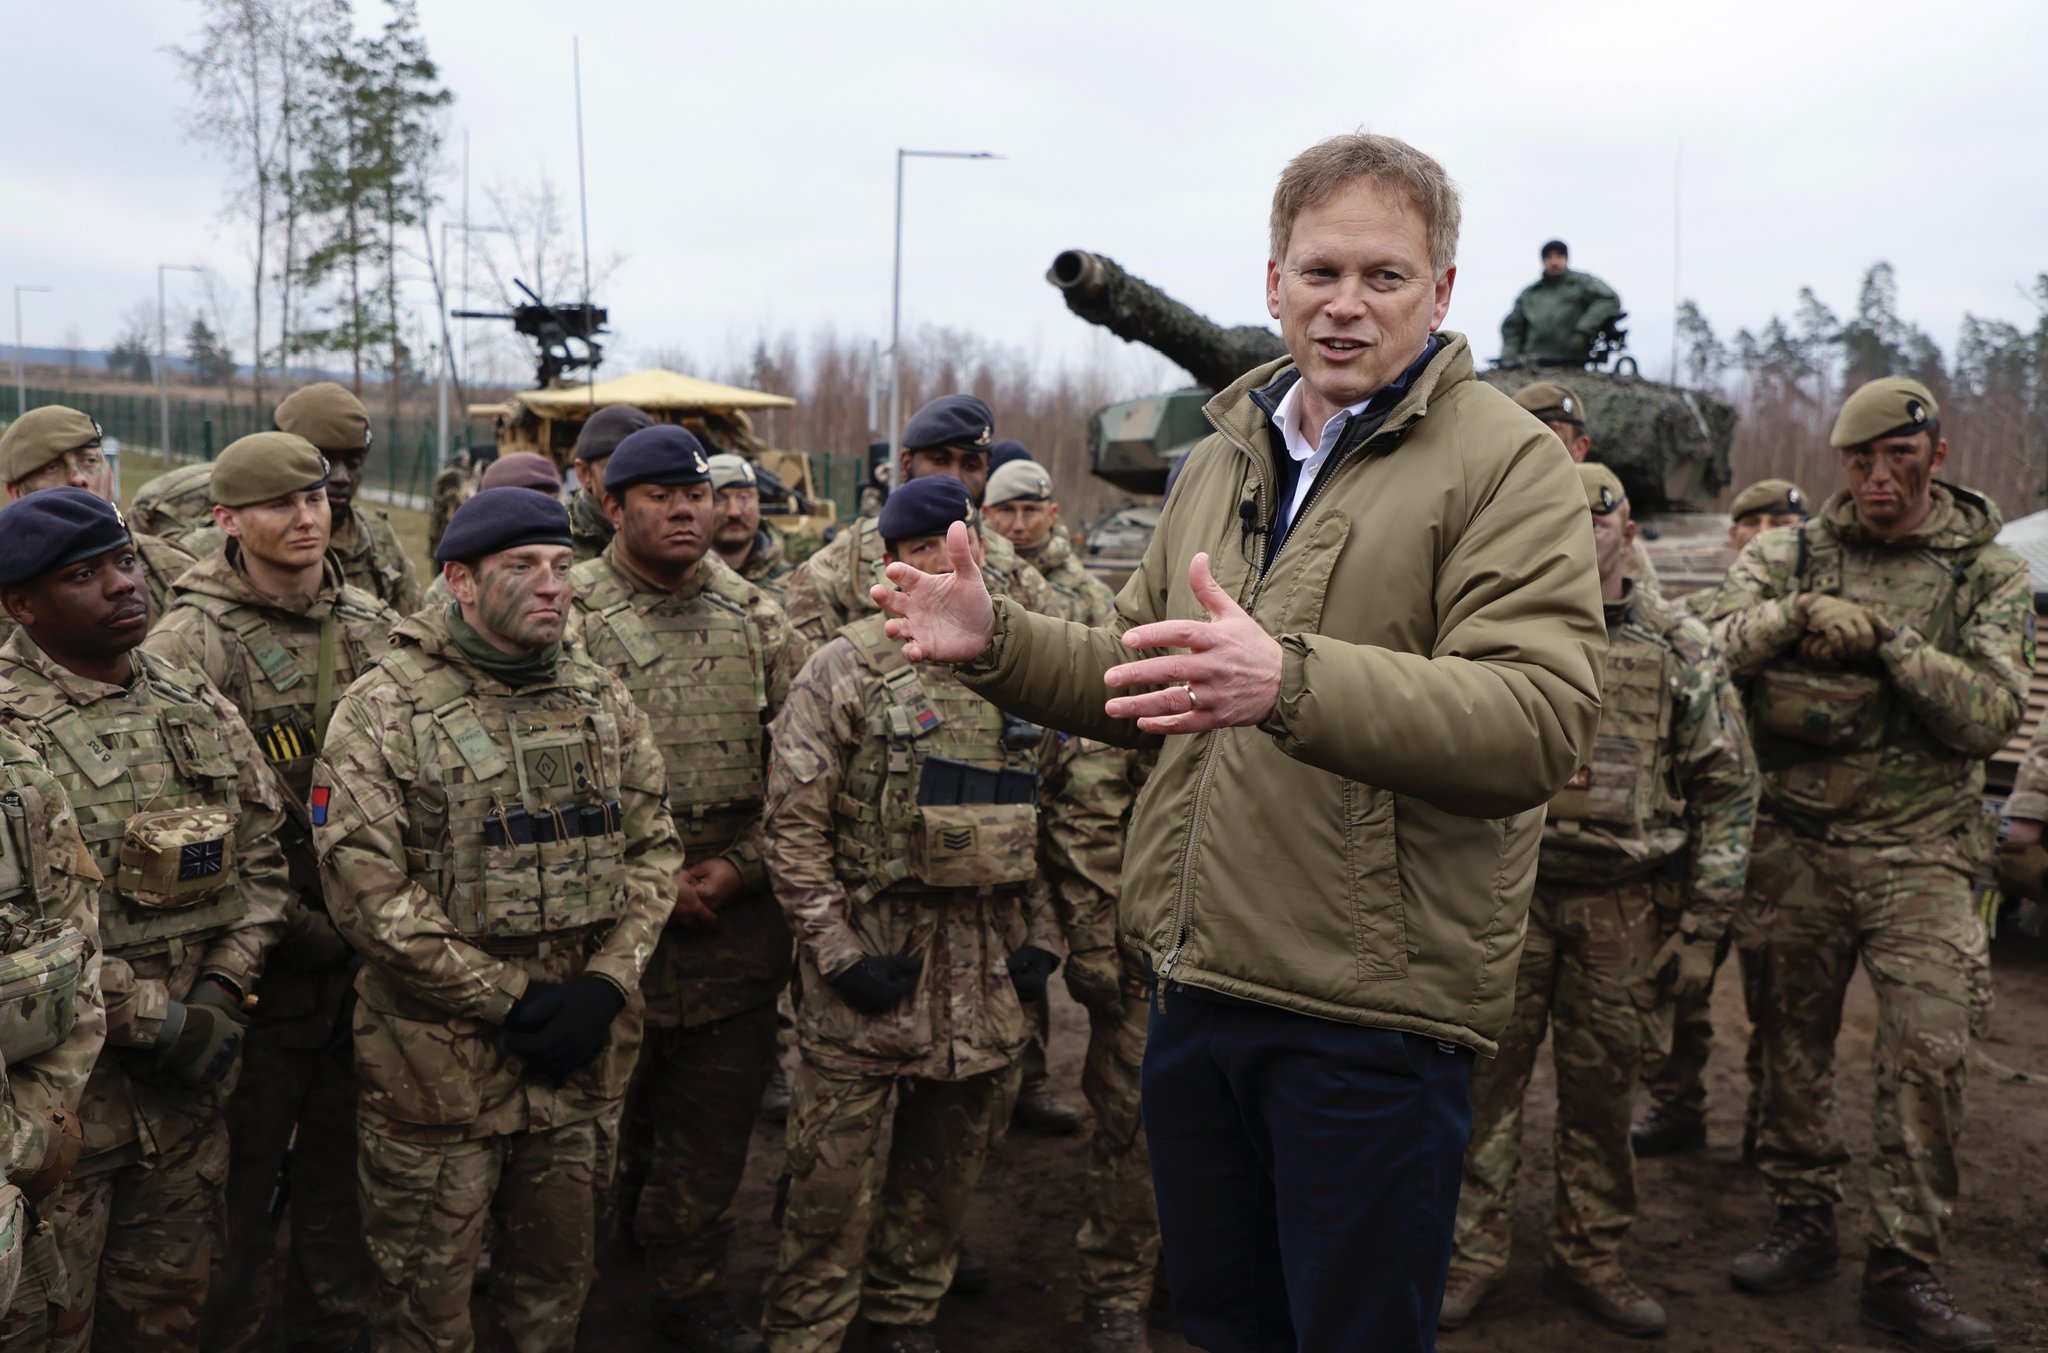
(1675, 1065)
(424, 1207)
(827, 1271)
(1904, 912)
(1119, 1238)
(1585, 970)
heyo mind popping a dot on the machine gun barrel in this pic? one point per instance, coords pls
(1099, 291)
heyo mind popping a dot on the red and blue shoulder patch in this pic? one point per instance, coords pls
(318, 803)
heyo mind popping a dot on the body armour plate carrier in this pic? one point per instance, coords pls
(1621, 815)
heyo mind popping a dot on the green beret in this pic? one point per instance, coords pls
(1773, 497)
(1890, 406)
(326, 415)
(732, 472)
(1604, 492)
(1553, 402)
(1018, 479)
(42, 436)
(266, 465)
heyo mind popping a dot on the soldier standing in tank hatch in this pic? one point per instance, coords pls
(1641, 865)
(182, 819)
(54, 446)
(1884, 648)
(747, 547)
(52, 1028)
(599, 436)
(269, 620)
(705, 655)
(1556, 318)
(495, 841)
(900, 836)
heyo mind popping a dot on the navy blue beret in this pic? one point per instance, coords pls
(657, 455)
(1003, 452)
(502, 519)
(54, 527)
(924, 507)
(604, 430)
(950, 420)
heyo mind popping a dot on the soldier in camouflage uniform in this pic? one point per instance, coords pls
(494, 839)
(599, 436)
(182, 819)
(1674, 1068)
(269, 621)
(175, 503)
(336, 422)
(52, 1028)
(54, 446)
(900, 837)
(747, 547)
(1641, 865)
(950, 437)
(704, 654)
(1884, 648)
(1560, 409)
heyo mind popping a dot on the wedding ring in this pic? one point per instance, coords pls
(1194, 702)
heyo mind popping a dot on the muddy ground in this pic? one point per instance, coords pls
(1697, 1212)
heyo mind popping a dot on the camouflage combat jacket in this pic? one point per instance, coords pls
(1892, 750)
(862, 867)
(266, 655)
(53, 1020)
(830, 589)
(767, 566)
(708, 665)
(181, 819)
(371, 558)
(473, 838)
(1086, 597)
(1672, 780)
(175, 503)
(589, 529)
(2029, 798)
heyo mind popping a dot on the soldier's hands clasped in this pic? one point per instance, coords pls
(1837, 630)
(1030, 966)
(198, 1043)
(877, 982)
(559, 1030)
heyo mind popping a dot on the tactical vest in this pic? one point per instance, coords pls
(698, 670)
(153, 781)
(531, 844)
(376, 561)
(1806, 717)
(42, 957)
(281, 658)
(920, 800)
(1622, 813)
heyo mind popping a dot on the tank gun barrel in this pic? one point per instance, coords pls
(1099, 291)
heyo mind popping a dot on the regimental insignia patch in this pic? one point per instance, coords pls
(949, 842)
(286, 740)
(318, 804)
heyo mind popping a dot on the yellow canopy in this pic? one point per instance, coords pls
(652, 390)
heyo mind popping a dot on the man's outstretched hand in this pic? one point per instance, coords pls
(942, 617)
(1228, 678)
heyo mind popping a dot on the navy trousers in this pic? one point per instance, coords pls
(1307, 1174)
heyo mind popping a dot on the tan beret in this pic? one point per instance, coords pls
(1604, 492)
(41, 436)
(1890, 406)
(1775, 497)
(1553, 402)
(266, 465)
(1018, 479)
(327, 415)
(732, 472)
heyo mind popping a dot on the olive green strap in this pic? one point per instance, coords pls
(323, 683)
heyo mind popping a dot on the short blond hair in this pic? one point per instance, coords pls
(1320, 172)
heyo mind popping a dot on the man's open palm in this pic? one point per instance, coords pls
(942, 617)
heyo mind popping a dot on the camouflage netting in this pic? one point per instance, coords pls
(1671, 447)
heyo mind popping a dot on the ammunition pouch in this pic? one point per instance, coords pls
(1833, 711)
(975, 827)
(176, 858)
(39, 977)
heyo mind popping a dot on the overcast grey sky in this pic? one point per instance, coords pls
(741, 155)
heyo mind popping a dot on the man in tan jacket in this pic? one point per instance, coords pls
(1376, 633)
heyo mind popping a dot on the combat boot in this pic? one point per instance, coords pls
(1613, 1300)
(1467, 1290)
(702, 1324)
(1903, 1296)
(970, 1274)
(1798, 1249)
(1112, 1329)
(1038, 1113)
(901, 1339)
(1658, 1133)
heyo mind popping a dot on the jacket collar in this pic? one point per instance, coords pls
(1239, 414)
(220, 575)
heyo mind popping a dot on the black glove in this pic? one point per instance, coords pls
(521, 1015)
(561, 1030)
(216, 993)
(1029, 967)
(198, 1044)
(878, 982)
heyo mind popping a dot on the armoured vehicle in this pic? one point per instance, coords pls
(1670, 446)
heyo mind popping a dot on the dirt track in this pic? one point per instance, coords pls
(1698, 1211)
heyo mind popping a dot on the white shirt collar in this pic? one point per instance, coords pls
(1287, 417)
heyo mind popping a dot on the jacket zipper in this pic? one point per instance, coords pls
(1181, 926)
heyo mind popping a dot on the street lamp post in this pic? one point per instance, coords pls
(447, 363)
(890, 471)
(163, 344)
(20, 391)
